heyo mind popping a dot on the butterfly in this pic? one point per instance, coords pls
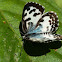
(37, 26)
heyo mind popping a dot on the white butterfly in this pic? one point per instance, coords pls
(37, 26)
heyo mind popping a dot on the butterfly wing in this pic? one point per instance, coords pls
(48, 22)
(45, 27)
(35, 24)
(31, 14)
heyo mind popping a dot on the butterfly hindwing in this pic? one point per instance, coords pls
(48, 22)
(31, 14)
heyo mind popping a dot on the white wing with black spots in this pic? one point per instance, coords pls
(49, 22)
(31, 14)
(38, 26)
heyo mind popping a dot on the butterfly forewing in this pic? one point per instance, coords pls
(32, 12)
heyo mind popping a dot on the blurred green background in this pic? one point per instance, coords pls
(10, 39)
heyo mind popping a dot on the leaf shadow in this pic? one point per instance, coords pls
(38, 49)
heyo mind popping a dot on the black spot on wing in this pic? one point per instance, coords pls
(32, 11)
(40, 24)
(28, 9)
(56, 25)
(35, 14)
(27, 19)
(24, 14)
(41, 20)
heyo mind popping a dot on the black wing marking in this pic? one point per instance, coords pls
(20, 29)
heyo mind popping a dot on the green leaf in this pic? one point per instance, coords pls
(59, 3)
(10, 39)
